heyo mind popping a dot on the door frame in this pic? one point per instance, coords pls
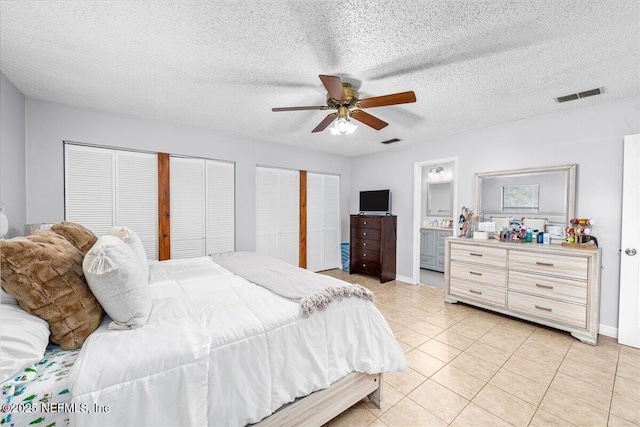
(417, 207)
(629, 306)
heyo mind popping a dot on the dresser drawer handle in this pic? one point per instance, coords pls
(364, 265)
(364, 234)
(475, 292)
(365, 222)
(543, 308)
(546, 264)
(475, 274)
(544, 286)
(364, 244)
(474, 254)
(364, 254)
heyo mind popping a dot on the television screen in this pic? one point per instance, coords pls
(375, 201)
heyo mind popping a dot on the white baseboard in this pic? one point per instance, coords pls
(405, 279)
(609, 331)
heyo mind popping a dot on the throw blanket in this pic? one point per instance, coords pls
(312, 290)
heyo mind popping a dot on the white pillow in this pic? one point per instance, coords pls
(116, 278)
(23, 340)
(132, 239)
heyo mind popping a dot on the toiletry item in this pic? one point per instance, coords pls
(527, 236)
(547, 239)
(540, 237)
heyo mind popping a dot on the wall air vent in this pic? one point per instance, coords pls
(574, 96)
(390, 141)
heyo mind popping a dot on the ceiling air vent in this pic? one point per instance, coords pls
(390, 141)
(574, 96)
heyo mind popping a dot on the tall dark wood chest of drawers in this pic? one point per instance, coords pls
(373, 246)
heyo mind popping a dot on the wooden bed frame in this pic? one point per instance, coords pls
(324, 405)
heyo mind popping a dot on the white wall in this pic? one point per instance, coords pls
(48, 124)
(591, 137)
(12, 165)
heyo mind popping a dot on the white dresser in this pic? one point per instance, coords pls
(548, 284)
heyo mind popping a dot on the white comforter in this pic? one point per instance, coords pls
(221, 351)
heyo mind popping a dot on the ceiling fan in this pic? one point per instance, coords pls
(343, 98)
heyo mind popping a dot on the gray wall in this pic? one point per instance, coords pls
(12, 151)
(48, 124)
(592, 137)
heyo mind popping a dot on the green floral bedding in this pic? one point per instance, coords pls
(39, 396)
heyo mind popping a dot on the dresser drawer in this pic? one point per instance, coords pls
(478, 292)
(556, 311)
(479, 273)
(361, 222)
(496, 257)
(367, 267)
(365, 233)
(553, 287)
(558, 265)
(371, 245)
(365, 255)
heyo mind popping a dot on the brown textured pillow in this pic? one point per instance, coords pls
(43, 272)
(78, 235)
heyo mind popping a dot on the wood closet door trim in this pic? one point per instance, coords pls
(164, 207)
(303, 220)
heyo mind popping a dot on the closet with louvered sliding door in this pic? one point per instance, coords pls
(278, 213)
(323, 221)
(202, 206)
(106, 187)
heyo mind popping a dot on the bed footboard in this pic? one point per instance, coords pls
(324, 405)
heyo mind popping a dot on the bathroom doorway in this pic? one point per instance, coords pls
(435, 204)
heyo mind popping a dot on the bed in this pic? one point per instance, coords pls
(218, 349)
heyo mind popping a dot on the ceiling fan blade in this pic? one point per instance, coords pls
(319, 107)
(393, 99)
(334, 86)
(368, 119)
(326, 122)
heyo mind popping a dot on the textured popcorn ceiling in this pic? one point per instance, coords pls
(223, 65)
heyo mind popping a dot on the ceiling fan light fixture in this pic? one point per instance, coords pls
(343, 126)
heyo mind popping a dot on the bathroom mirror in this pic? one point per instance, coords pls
(537, 193)
(440, 198)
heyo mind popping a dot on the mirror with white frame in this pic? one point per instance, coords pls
(440, 198)
(437, 193)
(536, 194)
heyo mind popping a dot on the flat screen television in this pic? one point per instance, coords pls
(375, 201)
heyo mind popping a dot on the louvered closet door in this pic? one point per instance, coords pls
(267, 211)
(289, 216)
(314, 221)
(187, 177)
(137, 196)
(89, 187)
(331, 222)
(278, 213)
(220, 207)
(106, 187)
(323, 221)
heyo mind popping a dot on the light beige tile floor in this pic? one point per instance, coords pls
(470, 367)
